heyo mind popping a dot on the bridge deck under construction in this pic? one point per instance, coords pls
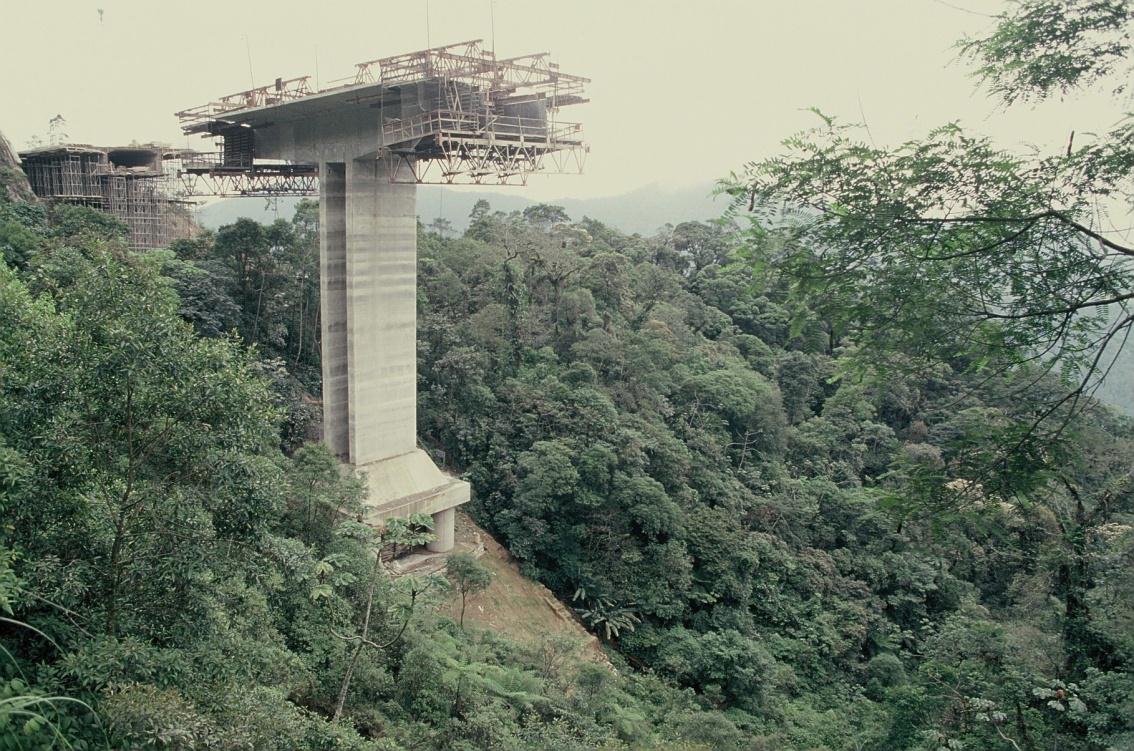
(445, 115)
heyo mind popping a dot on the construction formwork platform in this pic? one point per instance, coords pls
(445, 115)
(129, 182)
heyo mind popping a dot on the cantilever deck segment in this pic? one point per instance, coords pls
(445, 115)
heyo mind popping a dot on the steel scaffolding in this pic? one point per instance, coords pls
(130, 183)
(445, 115)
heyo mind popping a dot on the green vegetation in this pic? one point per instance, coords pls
(173, 561)
(809, 493)
(468, 577)
(831, 554)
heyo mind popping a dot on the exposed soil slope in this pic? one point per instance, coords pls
(513, 605)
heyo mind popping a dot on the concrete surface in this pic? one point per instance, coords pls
(368, 288)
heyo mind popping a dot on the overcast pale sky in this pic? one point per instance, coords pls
(682, 92)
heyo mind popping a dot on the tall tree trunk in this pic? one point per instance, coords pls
(299, 344)
(1083, 648)
(120, 518)
(115, 575)
(361, 640)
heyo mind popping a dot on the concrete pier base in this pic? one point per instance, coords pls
(410, 484)
(445, 528)
(368, 262)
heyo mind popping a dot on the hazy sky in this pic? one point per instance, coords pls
(682, 92)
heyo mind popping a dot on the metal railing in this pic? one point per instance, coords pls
(263, 96)
(471, 124)
(465, 62)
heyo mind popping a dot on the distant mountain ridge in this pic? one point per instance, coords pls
(643, 210)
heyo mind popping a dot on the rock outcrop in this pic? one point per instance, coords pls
(13, 182)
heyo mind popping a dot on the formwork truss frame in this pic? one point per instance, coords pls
(263, 180)
(452, 143)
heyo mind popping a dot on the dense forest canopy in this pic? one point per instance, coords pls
(808, 480)
(953, 246)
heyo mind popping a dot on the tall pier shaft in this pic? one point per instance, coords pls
(368, 292)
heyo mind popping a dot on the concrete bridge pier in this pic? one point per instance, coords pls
(368, 292)
(277, 139)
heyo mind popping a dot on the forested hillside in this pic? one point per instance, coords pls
(702, 467)
(827, 482)
(180, 569)
(781, 548)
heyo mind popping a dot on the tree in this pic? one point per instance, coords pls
(951, 248)
(412, 531)
(1045, 46)
(441, 226)
(481, 221)
(545, 215)
(469, 576)
(244, 246)
(172, 426)
(701, 243)
(26, 714)
(480, 210)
